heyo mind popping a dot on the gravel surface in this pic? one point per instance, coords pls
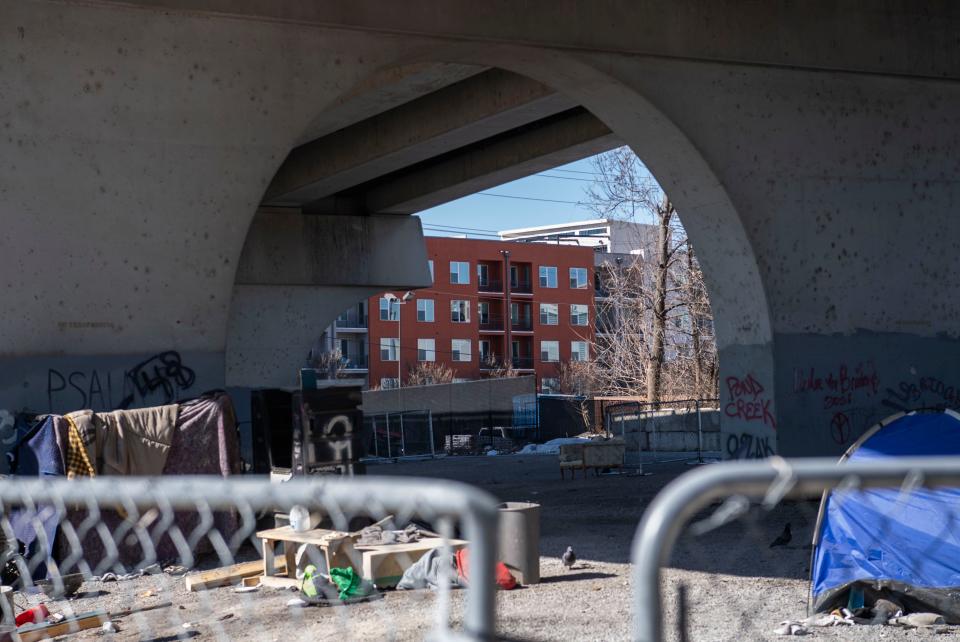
(737, 587)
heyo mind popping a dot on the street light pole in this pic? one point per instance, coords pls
(399, 301)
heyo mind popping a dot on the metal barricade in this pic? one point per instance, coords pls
(129, 541)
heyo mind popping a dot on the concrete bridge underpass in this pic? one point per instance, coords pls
(191, 189)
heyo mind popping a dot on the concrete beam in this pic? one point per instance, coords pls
(287, 248)
(384, 90)
(856, 36)
(463, 113)
(555, 141)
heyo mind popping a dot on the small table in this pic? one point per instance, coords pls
(337, 548)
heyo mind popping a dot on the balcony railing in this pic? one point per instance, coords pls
(358, 362)
(491, 361)
(521, 325)
(523, 363)
(491, 323)
(352, 321)
(521, 287)
(490, 285)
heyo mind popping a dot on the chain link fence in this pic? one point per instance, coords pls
(165, 559)
(725, 552)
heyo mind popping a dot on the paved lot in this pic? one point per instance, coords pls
(737, 587)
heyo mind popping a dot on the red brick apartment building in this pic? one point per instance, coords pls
(491, 303)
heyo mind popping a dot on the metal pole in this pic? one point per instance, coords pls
(387, 418)
(403, 438)
(699, 434)
(433, 448)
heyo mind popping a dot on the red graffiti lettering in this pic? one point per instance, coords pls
(747, 402)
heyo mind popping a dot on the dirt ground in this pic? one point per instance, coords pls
(737, 587)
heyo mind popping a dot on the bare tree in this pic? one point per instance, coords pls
(429, 372)
(499, 369)
(332, 363)
(656, 306)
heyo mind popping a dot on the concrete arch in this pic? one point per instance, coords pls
(628, 107)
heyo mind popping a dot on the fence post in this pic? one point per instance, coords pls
(699, 433)
(403, 437)
(387, 419)
(433, 446)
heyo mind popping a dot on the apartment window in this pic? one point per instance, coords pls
(389, 309)
(549, 385)
(459, 272)
(549, 314)
(549, 351)
(426, 350)
(579, 314)
(430, 265)
(389, 349)
(579, 351)
(514, 276)
(483, 312)
(460, 311)
(389, 383)
(578, 278)
(460, 349)
(425, 310)
(484, 350)
(548, 276)
(483, 274)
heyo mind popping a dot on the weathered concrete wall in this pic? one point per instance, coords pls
(136, 145)
(673, 432)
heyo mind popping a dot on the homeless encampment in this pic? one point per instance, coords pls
(885, 543)
(195, 437)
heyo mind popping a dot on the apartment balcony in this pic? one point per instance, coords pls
(521, 287)
(522, 325)
(352, 323)
(492, 286)
(353, 363)
(491, 324)
(523, 363)
(491, 361)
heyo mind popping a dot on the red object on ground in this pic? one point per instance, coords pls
(504, 578)
(35, 615)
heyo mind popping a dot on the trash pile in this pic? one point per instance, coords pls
(883, 612)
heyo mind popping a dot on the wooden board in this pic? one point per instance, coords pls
(316, 536)
(279, 581)
(228, 575)
(81, 622)
(385, 564)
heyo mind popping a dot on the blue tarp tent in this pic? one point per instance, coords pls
(900, 546)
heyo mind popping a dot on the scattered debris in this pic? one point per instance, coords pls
(296, 602)
(224, 617)
(228, 575)
(32, 615)
(152, 569)
(791, 628)
(110, 627)
(916, 620)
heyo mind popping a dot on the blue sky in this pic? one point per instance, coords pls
(511, 208)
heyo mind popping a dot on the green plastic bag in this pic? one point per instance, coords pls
(350, 583)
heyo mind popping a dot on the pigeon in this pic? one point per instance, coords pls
(784, 537)
(569, 558)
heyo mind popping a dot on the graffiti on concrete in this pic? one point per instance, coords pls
(747, 446)
(925, 392)
(840, 387)
(840, 428)
(8, 429)
(159, 379)
(748, 401)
